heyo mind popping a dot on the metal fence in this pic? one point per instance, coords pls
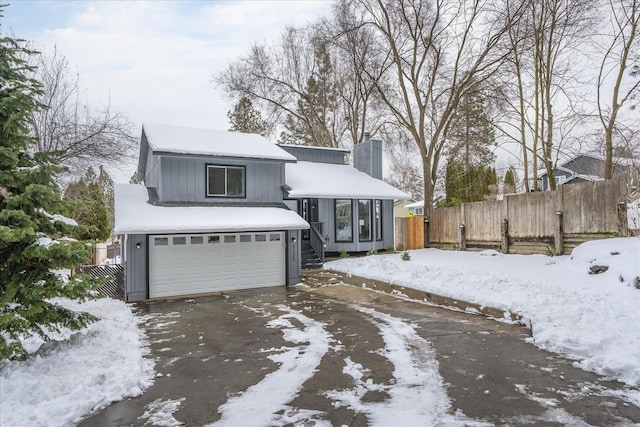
(114, 273)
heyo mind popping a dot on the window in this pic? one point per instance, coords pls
(213, 239)
(261, 237)
(378, 219)
(245, 238)
(197, 240)
(229, 239)
(225, 181)
(161, 241)
(419, 211)
(274, 237)
(180, 240)
(344, 221)
(364, 220)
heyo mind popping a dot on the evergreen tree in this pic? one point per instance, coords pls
(92, 196)
(33, 250)
(245, 118)
(312, 124)
(509, 181)
(134, 179)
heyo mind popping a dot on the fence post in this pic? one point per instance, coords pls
(623, 220)
(463, 238)
(559, 235)
(505, 236)
(426, 233)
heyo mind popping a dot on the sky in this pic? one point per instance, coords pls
(153, 61)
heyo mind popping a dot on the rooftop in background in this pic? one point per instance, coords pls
(186, 140)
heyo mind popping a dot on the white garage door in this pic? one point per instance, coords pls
(199, 263)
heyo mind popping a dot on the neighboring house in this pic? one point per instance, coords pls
(223, 211)
(415, 208)
(588, 167)
(400, 209)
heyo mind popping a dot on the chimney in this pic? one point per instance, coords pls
(367, 156)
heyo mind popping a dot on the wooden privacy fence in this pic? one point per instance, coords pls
(539, 222)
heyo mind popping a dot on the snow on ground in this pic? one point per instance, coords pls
(257, 406)
(76, 373)
(593, 318)
(417, 396)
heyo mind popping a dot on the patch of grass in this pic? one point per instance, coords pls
(344, 253)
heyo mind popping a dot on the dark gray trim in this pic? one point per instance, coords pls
(226, 167)
(213, 156)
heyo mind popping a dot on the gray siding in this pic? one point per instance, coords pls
(152, 173)
(316, 154)
(326, 215)
(294, 254)
(184, 180)
(136, 280)
(367, 157)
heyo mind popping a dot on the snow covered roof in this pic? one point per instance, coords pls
(326, 180)
(184, 140)
(419, 204)
(134, 215)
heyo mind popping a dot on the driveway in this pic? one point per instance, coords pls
(341, 355)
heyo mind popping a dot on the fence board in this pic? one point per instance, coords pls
(588, 209)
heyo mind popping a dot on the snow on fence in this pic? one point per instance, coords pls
(525, 223)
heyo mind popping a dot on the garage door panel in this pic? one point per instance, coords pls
(220, 262)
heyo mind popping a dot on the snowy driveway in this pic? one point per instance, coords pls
(341, 355)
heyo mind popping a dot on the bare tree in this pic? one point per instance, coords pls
(77, 135)
(289, 80)
(432, 53)
(618, 73)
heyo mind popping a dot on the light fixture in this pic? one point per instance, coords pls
(138, 245)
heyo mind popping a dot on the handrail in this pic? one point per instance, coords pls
(316, 239)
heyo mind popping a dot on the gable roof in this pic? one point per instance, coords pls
(328, 180)
(207, 142)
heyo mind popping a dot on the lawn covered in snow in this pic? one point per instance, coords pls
(593, 318)
(68, 377)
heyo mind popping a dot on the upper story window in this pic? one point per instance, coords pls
(225, 181)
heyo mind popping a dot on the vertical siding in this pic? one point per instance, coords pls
(136, 280)
(319, 155)
(152, 175)
(294, 256)
(184, 180)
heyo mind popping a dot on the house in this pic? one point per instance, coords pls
(400, 209)
(588, 167)
(415, 208)
(223, 211)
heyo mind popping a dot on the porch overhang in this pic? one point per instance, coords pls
(333, 181)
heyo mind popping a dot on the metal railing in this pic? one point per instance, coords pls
(316, 239)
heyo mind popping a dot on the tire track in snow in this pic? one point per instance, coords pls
(417, 397)
(257, 405)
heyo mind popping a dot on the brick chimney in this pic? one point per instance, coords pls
(367, 156)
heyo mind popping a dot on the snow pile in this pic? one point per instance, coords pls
(67, 378)
(590, 317)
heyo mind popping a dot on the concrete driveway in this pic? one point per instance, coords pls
(333, 355)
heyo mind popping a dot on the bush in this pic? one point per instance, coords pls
(344, 253)
(406, 256)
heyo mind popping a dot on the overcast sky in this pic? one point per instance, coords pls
(154, 60)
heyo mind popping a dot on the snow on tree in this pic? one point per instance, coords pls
(35, 247)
